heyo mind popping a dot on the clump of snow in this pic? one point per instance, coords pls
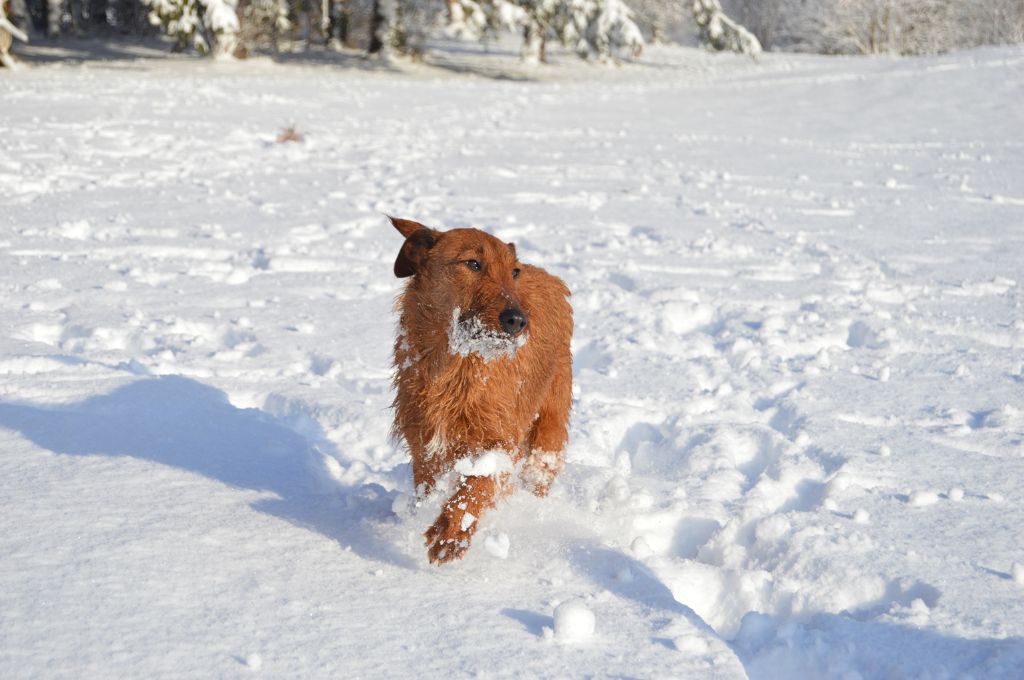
(78, 230)
(679, 317)
(1017, 573)
(402, 504)
(691, 644)
(497, 545)
(254, 662)
(956, 494)
(574, 622)
(471, 336)
(640, 548)
(923, 497)
(257, 474)
(486, 464)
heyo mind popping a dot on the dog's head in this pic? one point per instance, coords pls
(467, 273)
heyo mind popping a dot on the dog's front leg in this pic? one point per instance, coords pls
(449, 537)
(545, 454)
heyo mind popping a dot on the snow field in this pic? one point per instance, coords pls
(799, 399)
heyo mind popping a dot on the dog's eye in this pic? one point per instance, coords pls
(515, 273)
(473, 264)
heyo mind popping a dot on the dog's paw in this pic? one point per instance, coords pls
(539, 472)
(449, 537)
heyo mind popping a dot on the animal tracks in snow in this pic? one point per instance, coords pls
(797, 425)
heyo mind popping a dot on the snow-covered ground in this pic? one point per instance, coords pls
(798, 437)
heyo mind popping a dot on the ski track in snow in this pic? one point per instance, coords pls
(798, 429)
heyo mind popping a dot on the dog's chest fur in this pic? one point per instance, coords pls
(464, 402)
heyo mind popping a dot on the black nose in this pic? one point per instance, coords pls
(512, 320)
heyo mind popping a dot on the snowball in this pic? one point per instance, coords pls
(884, 374)
(839, 482)
(679, 318)
(861, 516)
(401, 505)
(573, 621)
(640, 548)
(884, 451)
(691, 644)
(920, 499)
(497, 545)
(254, 661)
(1017, 571)
(956, 494)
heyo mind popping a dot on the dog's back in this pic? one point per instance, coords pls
(483, 366)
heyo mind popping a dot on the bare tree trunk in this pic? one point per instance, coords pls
(53, 14)
(533, 50)
(376, 29)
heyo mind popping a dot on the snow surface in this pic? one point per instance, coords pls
(798, 429)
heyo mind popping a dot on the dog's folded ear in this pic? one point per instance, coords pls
(418, 242)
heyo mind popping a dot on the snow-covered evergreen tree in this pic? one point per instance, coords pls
(612, 29)
(478, 19)
(211, 26)
(599, 28)
(264, 21)
(719, 32)
(409, 23)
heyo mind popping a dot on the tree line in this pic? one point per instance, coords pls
(593, 29)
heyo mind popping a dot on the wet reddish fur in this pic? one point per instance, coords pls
(518, 404)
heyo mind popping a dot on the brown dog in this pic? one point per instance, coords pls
(483, 372)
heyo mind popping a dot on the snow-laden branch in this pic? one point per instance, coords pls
(720, 32)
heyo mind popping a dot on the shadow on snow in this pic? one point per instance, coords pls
(824, 645)
(185, 424)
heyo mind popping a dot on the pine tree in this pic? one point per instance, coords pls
(720, 32)
(211, 26)
(598, 28)
(264, 20)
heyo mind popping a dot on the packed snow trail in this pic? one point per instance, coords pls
(798, 428)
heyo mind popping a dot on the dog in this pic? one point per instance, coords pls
(483, 374)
